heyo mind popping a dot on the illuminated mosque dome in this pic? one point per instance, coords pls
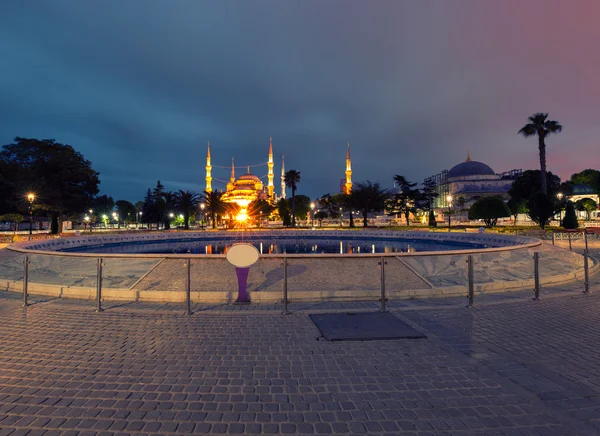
(470, 168)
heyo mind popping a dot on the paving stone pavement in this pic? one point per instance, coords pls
(508, 366)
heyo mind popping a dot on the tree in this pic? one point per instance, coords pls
(427, 195)
(346, 202)
(403, 201)
(541, 127)
(302, 206)
(329, 204)
(259, 209)
(587, 177)
(369, 197)
(320, 216)
(187, 203)
(126, 210)
(489, 209)
(13, 218)
(517, 206)
(166, 206)
(586, 205)
(102, 205)
(62, 179)
(570, 219)
(528, 184)
(432, 221)
(214, 205)
(540, 208)
(291, 179)
(283, 208)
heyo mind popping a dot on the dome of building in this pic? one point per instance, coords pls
(470, 168)
(249, 176)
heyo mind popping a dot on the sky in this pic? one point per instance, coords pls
(140, 87)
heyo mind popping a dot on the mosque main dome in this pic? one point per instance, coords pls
(470, 168)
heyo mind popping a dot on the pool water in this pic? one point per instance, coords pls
(276, 245)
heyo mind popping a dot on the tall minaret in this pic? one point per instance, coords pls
(282, 178)
(232, 179)
(270, 186)
(348, 185)
(208, 171)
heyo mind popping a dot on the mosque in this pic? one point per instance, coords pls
(470, 180)
(249, 187)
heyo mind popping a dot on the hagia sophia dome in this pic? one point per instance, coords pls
(470, 168)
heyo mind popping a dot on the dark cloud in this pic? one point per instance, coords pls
(140, 87)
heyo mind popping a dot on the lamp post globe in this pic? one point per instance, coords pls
(202, 206)
(449, 200)
(560, 197)
(30, 198)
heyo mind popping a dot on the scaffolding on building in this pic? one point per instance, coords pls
(442, 188)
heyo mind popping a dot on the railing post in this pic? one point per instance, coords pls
(585, 238)
(553, 238)
(382, 299)
(99, 286)
(586, 276)
(25, 280)
(188, 287)
(471, 280)
(536, 276)
(285, 289)
(570, 247)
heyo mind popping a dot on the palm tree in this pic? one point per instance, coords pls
(214, 205)
(291, 179)
(186, 202)
(540, 126)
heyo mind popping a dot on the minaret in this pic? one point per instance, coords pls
(469, 156)
(270, 186)
(348, 185)
(282, 178)
(232, 179)
(208, 171)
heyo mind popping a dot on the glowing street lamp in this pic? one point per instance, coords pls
(31, 198)
(116, 217)
(202, 206)
(312, 209)
(91, 219)
(560, 197)
(449, 200)
(87, 221)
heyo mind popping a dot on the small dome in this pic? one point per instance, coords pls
(249, 176)
(470, 168)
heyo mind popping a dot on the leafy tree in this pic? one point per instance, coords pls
(586, 205)
(320, 216)
(102, 205)
(329, 204)
(62, 179)
(369, 197)
(126, 210)
(13, 218)
(541, 127)
(302, 206)
(187, 203)
(432, 221)
(588, 177)
(527, 185)
(489, 209)
(166, 205)
(283, 208)
(149, 210)
(259, 209)
(517, 206)
(291, 179)
(346, 202)
(214, 205)
(403, 201)
(427, 195)
(540, 208)
(570, 219)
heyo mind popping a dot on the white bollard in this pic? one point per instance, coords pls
(373, 248)
(341, 247)
(261, 248)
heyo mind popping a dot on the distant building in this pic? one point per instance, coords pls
(581, 192)
(469, 181)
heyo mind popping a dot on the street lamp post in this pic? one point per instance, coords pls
(116, 217)
(202, 206)
(449, 200)
(560, 197)
(139, 218)
(86, 221)
(341, 218)
(312, 214)
(91, 219)
(31, 198)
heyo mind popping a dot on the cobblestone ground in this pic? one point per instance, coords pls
(510, 366)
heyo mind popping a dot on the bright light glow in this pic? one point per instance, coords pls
(115, 215)
(202, 206)
(87, 218)
(449, 198)
(180, 216)
(312, 205)
(91, 211)
(559, 195)
(242, 216)
(104, 217)
(171, 215)
(30, 197)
